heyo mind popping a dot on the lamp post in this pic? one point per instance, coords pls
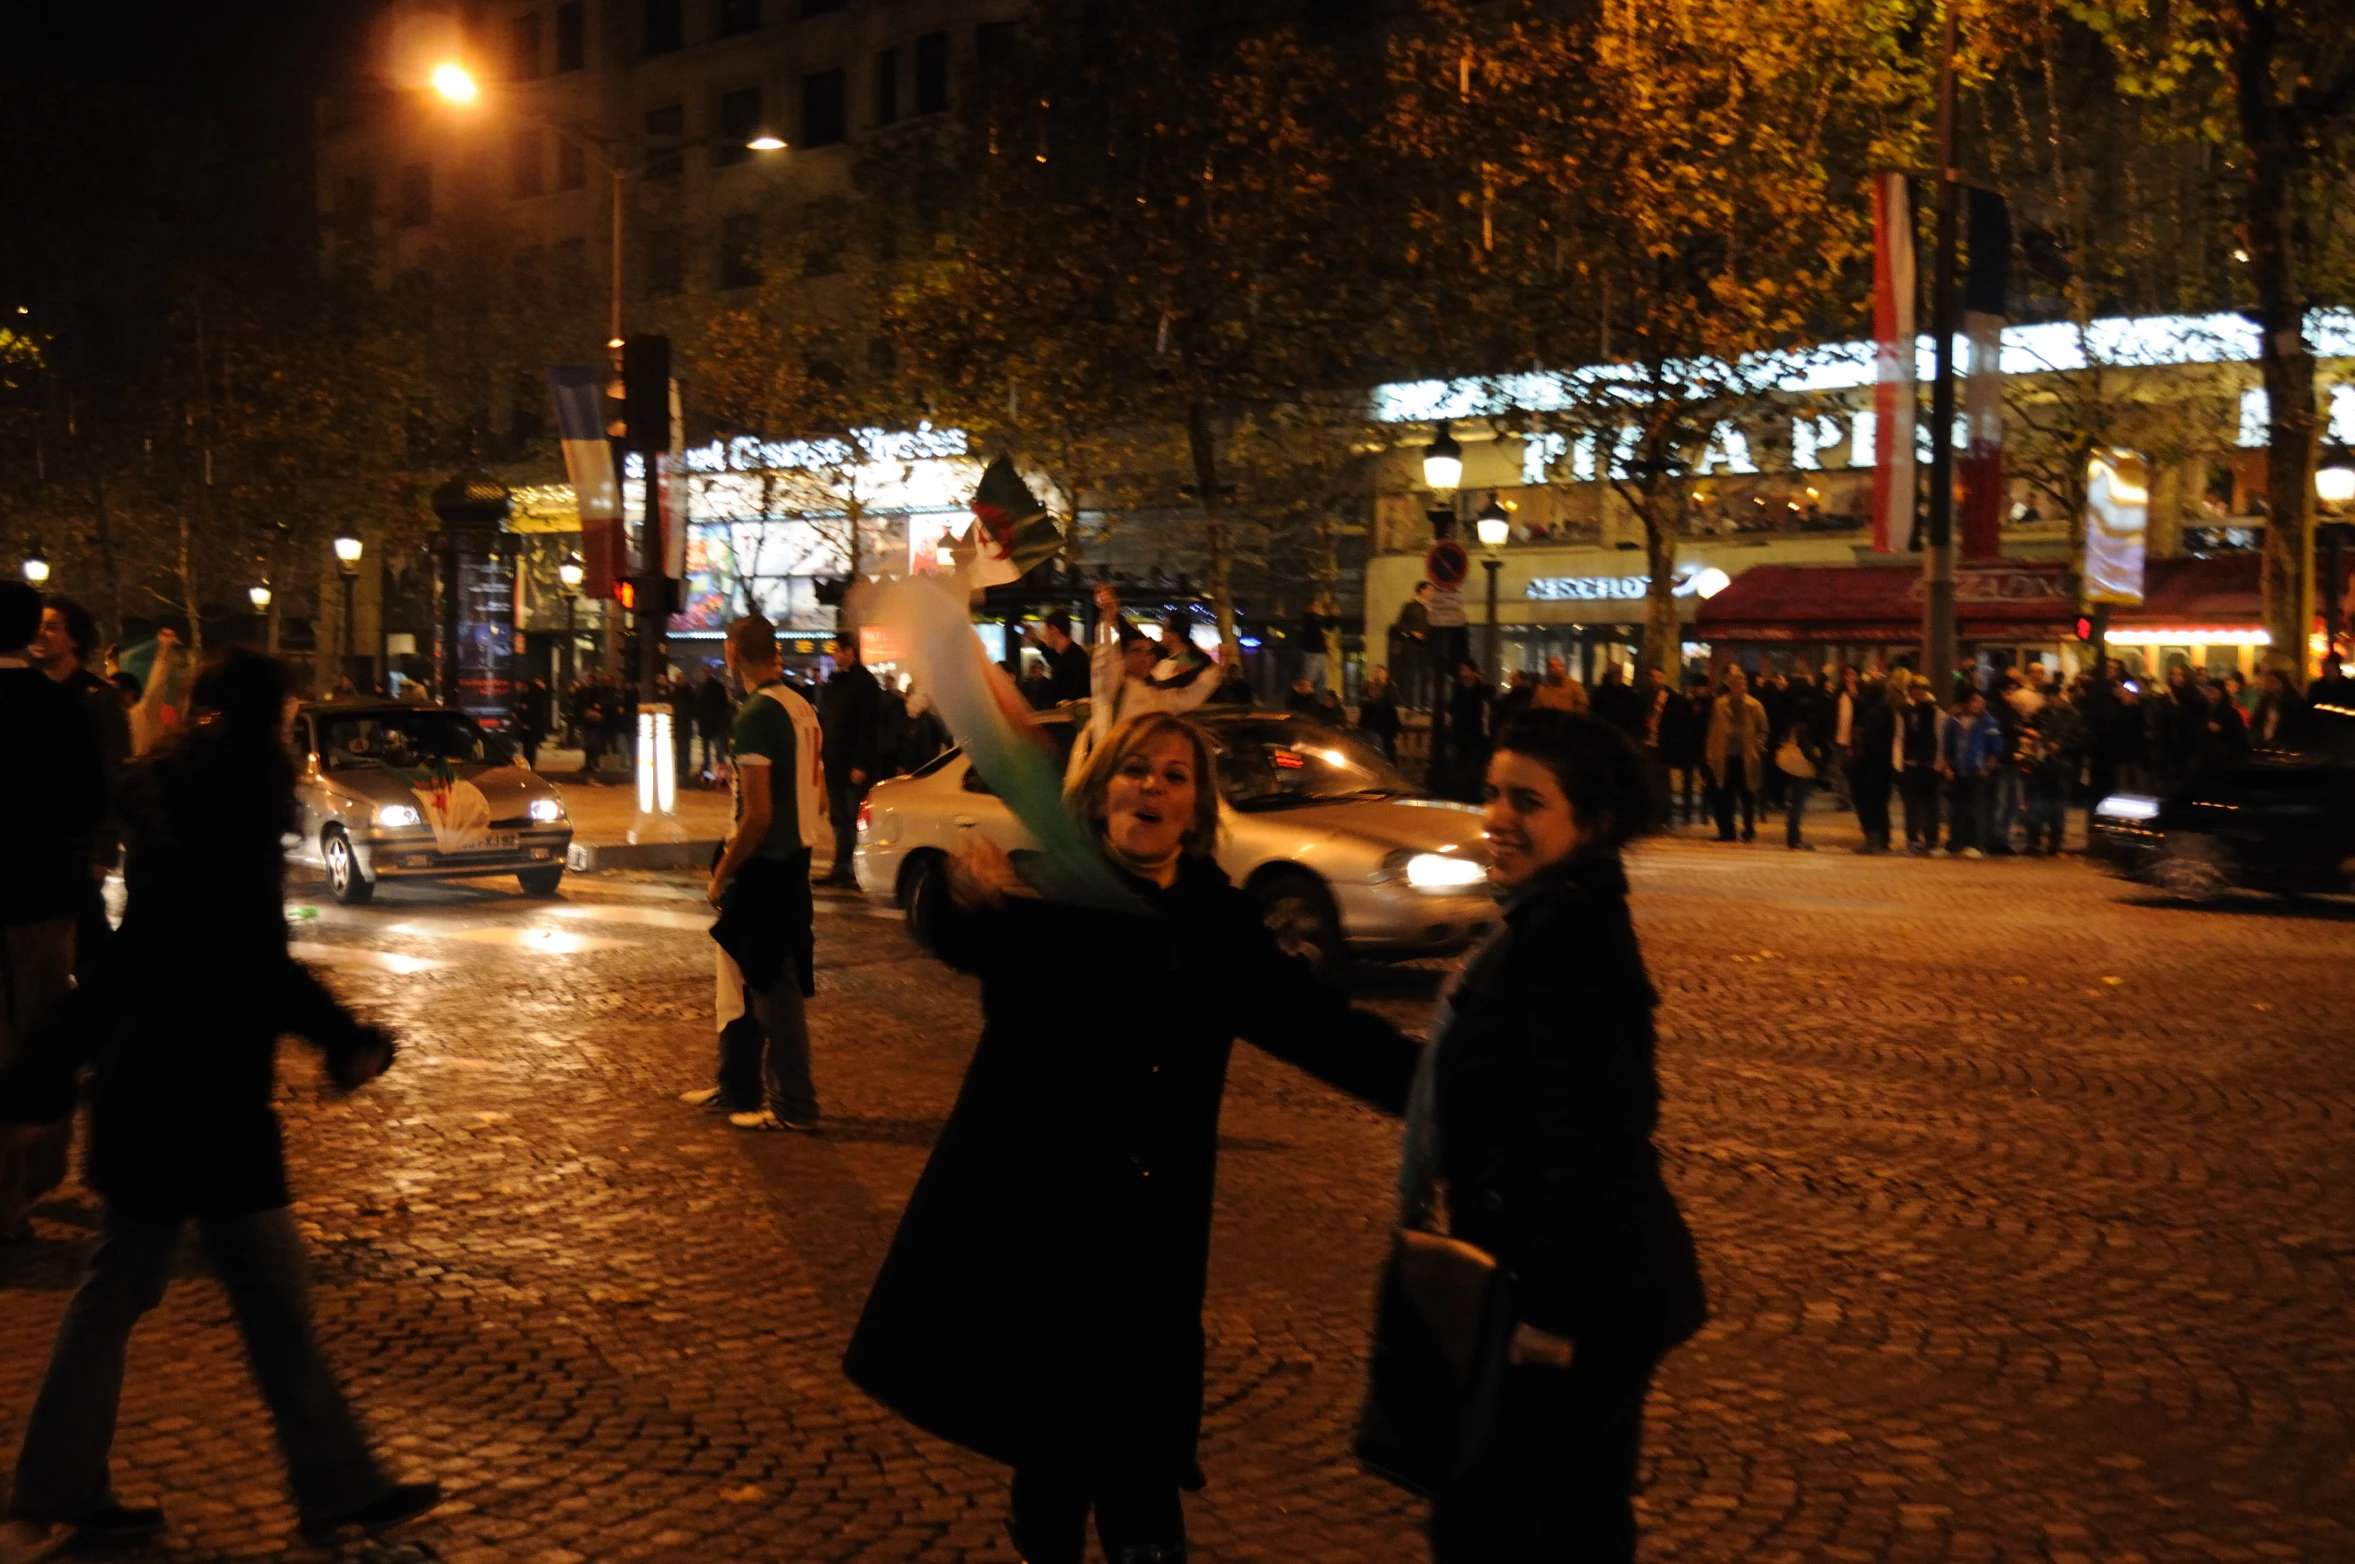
(36, 567)
(572, 573)
(1495, 528)
(2334, 486)
(347, 563)
(1443, 462)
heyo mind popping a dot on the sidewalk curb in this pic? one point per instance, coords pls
(589, 857)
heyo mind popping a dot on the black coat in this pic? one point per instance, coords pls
(1546, 1098)
(1872, 736)
(183, 1025)
(850, 716)
(1053, 1255)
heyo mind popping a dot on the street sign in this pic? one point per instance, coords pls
(1447, 606)
(1447, 565)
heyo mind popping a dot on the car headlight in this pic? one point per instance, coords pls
(1443, 872)
(397, 815)
(2127, 806)
(546, 810)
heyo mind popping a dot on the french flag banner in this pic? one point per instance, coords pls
(1985, 303)
(1895, 399)
(596, 489)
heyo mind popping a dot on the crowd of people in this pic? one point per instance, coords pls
(1990, 770)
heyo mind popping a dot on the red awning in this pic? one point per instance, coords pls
(2202, 593)
(1992, 602)
(1884, 603)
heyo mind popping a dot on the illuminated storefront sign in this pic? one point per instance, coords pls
(1619, 589)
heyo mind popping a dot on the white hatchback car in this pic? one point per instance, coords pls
(1345, 856)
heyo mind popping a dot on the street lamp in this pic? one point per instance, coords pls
(259, 596)
(455, 83)
(1443, 462)
(1494, 528)
(347, 561)
(36, 567)
(572, 574)
(766, 141)
(2334, 483)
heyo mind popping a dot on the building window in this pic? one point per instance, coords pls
(417, 195)
(355, 209)
(824, 234)
(572, 36)
(740, 251)
(666, 263)
(739, 123)
(823, 118)
(739, 16)
(572, 164)
(887, 87)
(932, 73)
(666, 26)
(523, 164)
(665, 129)
(523, 47)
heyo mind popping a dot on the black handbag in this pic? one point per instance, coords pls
(1442, 1328)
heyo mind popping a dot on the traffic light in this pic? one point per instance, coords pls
(646, 393)
(625, 592)
(2084, 628)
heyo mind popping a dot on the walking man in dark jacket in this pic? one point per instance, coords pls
(850, 709)
(1872, 759)
(1067, 660)
(182, 1127)
(63, 651)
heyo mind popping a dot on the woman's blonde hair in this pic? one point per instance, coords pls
(1086, 796)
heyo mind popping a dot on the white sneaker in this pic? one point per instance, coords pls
(701, 1097)
(1972, 852)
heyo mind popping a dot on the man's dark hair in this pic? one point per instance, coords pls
(1059, 622)
(80, 628)
(755, 640)
(245, 688)
(20, 615)
(1597, 767)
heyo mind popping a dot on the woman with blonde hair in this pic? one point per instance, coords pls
(1042, 1300)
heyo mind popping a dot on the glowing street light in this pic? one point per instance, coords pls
(766, 141)
(1443, 462)
(347, 551)
(36, 567)
(572, 573)
(259, 596)
(2335, 484)
(1494, 526)
(455, 82)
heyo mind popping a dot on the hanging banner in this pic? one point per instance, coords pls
(588, 461)
(2117, 522)
(1894, 393)
(670, 490)
(1985, 290)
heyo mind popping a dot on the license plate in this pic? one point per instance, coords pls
(500, 842)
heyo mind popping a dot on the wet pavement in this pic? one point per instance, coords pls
(2027, 1205)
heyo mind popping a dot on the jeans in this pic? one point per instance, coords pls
(1919, 787)
(1557, 1478)
(843, 797)
(784, 1026)
(258, 1257)
(1796, 791)
(2002, 790)
(2047, 816)
(1683, 804)
(1722, 796)
(1966, 812)
(1868, 790)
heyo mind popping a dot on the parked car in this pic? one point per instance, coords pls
(1344, 855)
(389, 791)
(2281, 820)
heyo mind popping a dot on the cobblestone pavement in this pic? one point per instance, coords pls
(2027, 1205)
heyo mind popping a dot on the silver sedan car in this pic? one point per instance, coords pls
(1344, 855)
(388, 791)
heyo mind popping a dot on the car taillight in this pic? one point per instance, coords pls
(866, 816)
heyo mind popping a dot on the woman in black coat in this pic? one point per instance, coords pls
(1532, 1122)
(1042, 1300)
(182, 1028)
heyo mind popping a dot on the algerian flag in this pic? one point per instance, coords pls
(1012, 531)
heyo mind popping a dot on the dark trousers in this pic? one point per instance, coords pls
(1796, 792)
(62, 1471)
(1724, 792)
(1686, 791)
(842, 801)
(1868, 790)
(1966, 809)
(765, 1053)
(2047, 817)
(592, 750)
(1557, 1481)
(1138, 1517)
(1919, 787)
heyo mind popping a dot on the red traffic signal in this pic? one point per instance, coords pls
(625, 593)
(2084, 628)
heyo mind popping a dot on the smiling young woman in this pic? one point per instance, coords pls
(1531, 1126)
(1042, 1300)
